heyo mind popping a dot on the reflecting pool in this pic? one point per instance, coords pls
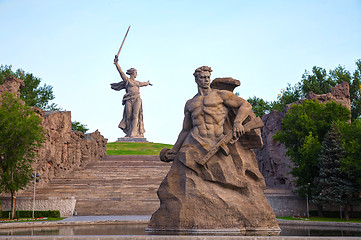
(139, 229)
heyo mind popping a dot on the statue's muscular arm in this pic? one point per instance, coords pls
(187, 127)
(244, 109)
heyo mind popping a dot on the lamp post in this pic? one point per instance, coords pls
(36, 179)
(339, 196)
(308, 211)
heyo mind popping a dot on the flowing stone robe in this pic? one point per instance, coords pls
(133, 111)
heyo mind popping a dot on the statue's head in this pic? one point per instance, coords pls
(132, 72)
(203, 76)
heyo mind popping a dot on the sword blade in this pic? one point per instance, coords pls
(123, 41)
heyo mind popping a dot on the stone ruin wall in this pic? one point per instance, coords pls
(272, 161)
(64, 150)
(11, 84)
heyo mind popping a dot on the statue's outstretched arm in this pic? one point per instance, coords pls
(143, 84)
(244, 109)
(122, 74)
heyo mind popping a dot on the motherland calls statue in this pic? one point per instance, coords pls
(132, 122)
(214, 183)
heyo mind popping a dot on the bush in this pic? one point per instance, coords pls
(29, 214)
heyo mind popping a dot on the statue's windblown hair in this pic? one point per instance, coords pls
(202, 69)
(130, 71)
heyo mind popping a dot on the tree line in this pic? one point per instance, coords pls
(323, 141)
(21, 132)
(319, 81)
(36, 95)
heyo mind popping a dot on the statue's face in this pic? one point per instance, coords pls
(134, 74)
(203, 79)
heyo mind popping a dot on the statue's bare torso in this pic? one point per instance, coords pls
(208, 114)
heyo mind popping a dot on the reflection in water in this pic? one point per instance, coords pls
(129, 229)
(29, 232)
(320, 231)
(245, 233)
(139, 229)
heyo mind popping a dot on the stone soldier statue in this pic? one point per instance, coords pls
(214, 183)
(132, 121)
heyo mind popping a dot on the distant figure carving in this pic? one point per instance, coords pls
(132, 122)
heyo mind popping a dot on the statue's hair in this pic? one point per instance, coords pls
(131, 71)
(202, 69)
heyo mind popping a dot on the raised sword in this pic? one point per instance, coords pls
(116, 56)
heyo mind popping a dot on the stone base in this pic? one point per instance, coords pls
(129, 139)
(223, 195)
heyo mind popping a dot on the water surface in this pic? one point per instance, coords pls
(139, 229)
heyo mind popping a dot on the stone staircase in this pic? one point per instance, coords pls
(115, 185)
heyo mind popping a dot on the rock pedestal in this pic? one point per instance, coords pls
(191, 204)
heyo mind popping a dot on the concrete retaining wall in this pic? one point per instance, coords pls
(287, 205)
(292, 205)
(65, 205)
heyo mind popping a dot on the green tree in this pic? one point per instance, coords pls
(318, 81)
(287, 96)
(303, 131)
(259, 106)
(351, 142)
(33, 94)
(77, 126)
(334, 186)
(355, 92)
(21, 136)
(341, 74)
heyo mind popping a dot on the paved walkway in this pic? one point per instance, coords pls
(126, 218)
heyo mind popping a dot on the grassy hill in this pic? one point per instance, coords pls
(125, 148)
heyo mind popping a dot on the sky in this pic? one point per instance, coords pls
(265, 44)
